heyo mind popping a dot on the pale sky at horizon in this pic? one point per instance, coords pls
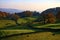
(35, 5)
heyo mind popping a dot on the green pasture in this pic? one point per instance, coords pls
(10, 24)
(11, 32)
(9, 27)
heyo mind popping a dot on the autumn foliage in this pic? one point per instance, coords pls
(3, 15)
(46, 18)
(51, 18)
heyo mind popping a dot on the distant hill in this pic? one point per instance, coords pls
(10, 10)
(53, 10)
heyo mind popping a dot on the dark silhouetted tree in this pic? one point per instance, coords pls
(15, 18)
(58, 15)
(44, 16)
(28, 13)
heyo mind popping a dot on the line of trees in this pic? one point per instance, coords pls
(46, 18)
(8, 16)
(50, 17)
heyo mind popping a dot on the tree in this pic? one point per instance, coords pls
(0, 15)
(58, 15)
(28, 13)
(48, 18)
(51, 18)
(44, 16)
(3, 15)
(15, 18)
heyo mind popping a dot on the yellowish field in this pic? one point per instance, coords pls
(35, 36)
(5, 23)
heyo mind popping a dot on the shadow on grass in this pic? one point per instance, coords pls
(13, 27)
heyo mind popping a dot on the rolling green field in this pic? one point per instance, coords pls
(10, 24)
(53, 26)
(11, 32)
(5, 23)
(9, 27)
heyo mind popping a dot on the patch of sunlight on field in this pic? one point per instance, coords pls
(4, 23)
(31, 18)
(49, 26)
(25, 20)
(11, 32)
(35, 36)
(22, 21)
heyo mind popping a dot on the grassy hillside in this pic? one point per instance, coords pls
(9, 27)
(35, 36)
(10, 24)
(4, 33)
(5, 23)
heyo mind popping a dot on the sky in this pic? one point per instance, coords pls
(33, 5)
